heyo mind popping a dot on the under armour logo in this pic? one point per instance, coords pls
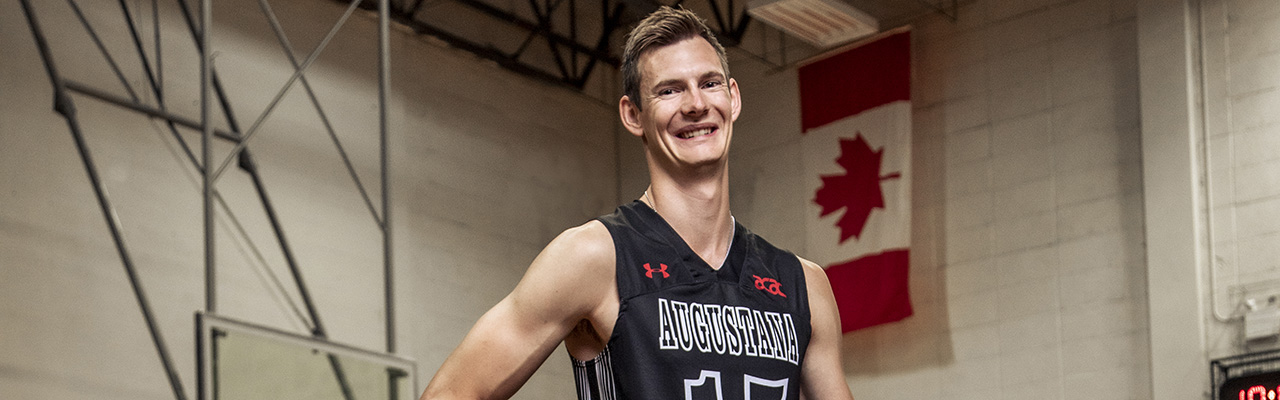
(648, 271)
(769, 285)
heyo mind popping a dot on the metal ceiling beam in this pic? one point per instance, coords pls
(731, 31)
(567, 69)
(571, 72)
(484, 51)
(539, 27)
(611, 23)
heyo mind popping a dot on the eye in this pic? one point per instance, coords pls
(664, 92)
(712, 84)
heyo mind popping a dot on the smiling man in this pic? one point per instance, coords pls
(668, 297)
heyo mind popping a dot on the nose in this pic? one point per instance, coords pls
(695, 103)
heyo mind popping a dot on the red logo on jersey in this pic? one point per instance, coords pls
(648, 271)
(769, 285)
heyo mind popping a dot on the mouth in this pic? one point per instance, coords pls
(693, 133)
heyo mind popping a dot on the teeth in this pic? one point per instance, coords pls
(694, 134)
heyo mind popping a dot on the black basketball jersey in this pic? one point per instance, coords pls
(687, 331)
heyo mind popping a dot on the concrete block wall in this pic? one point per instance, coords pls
(487, 168)
(1241, 48)
(1028, 269)
(1028, 272)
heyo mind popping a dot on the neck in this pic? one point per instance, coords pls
(698, 210)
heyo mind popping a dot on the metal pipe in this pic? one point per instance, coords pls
(246, 163)
(343, 385)
(324, 119)
(715, 12)
(573, 34)
(262, 260)
(519, 21)
(1211, 261)
(155, 27)
(65, 106)
(215, 377)
(317, 326)
(87, 90)
(485, 51)
(217, 83)
(610, 24)
(142, 55)
(172, 119)
(156, 83)
(544, 23)
(384, 87)
(202, 344)
(393, 383)
(206, 123)
(274, 334)
(111, 62)
(287, 252)
(253, 129)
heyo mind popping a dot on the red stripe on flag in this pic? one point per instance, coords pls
(854, 81)
(871, 290)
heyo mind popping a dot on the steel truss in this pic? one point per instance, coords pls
(574, 55)
(212, 90)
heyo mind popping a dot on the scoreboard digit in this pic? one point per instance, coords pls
(1262, 386)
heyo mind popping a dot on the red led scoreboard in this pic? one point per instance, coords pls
(1253, 376)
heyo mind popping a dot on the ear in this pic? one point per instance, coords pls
(630, 115)
(735, 98)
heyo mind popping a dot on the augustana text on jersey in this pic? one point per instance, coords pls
(725, 329)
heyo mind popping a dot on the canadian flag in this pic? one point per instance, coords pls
(855, 110)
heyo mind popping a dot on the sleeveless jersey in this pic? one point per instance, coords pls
(687, 331)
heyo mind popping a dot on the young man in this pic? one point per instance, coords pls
(667, 298)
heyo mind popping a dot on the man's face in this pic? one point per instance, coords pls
(688, 105)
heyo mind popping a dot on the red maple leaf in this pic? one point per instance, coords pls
(858, 190)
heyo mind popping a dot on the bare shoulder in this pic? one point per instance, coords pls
(809, 266)
(822, 301)
(561, 288)
(569, 277)
(815, 277)
(585, 246)
(592, 234)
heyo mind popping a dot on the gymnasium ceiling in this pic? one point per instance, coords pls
(569, 41)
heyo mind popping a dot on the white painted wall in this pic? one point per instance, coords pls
(1028, 270)
(1242, 88)
(487, 168)
(1059, 204)
(1242, 95)
(1210, 156)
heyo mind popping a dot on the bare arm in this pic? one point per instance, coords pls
(562, 286)
(823, 371)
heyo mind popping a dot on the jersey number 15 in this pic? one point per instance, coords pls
(748, 382)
